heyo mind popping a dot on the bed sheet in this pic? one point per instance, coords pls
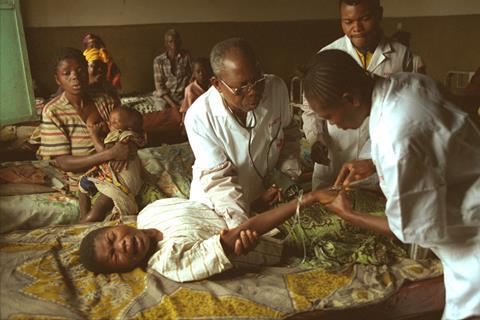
(168, 169)
(41, 277)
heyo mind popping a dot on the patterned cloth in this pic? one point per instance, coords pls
(169, 169)
(334, 244)
(63, 132)
(191, 248)
(171, 81)
(41, 278)
(123, 186)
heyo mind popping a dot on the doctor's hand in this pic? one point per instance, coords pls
(341, 206)
(271, 196)
(353, 171)
(319, 153)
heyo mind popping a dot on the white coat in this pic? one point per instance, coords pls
(346, 145)
(224, 175)
(427, 155)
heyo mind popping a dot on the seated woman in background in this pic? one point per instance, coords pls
(97, 75)
(202, 72)
(171, 72)
(112, 72)
(63, 134)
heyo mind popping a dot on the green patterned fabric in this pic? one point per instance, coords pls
(331, 243)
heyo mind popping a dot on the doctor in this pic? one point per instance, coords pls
(427, 156)
(365, 42)
(239, 131)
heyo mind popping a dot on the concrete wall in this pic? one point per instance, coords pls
(73, 13)
(133, 31)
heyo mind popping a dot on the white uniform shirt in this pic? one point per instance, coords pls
(427, 155)
(224, 177)
(346, 145)
(191, 248)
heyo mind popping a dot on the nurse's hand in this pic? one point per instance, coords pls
(341, 206)
(353, 171)
(319, 153)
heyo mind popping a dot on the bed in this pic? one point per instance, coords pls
(339, 270)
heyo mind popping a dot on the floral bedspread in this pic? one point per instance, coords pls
(41, 278)
(329, 265)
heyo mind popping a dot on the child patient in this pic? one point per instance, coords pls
(184, 240)
(117, 182)
(202, 72)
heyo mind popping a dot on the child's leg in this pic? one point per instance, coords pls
(84, 203)
(102, 205)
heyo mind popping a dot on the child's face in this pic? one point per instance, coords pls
(71, 76)
(200, 73)
(121, 248)
(118, 121)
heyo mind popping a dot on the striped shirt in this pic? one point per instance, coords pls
(191, 248)
(63, 132)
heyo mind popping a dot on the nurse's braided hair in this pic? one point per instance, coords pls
(331, 73)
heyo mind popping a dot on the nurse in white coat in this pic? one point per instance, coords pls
(427, 156)
(365, 42)
(239, 130)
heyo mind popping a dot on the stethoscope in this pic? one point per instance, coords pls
(249, 129)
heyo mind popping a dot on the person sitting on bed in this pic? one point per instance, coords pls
(63, 134)
(117, 190)
(97, 75)
(91, 40)
(185, 240)
(202, 72)
(172, 72)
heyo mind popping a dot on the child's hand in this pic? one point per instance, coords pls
(238, 243)
(97, 129)
(325, 196)
(341, 206)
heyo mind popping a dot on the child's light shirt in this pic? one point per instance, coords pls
(191, 248)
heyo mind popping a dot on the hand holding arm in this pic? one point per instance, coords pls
(119, 151)
(342, 207)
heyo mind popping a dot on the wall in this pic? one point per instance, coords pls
(444, 41)
(73, 13)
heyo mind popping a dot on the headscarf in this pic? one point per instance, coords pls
(93, 54)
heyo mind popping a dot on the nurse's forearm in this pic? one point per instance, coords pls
(370, 222)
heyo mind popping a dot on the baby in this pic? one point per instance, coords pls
(185, 240)
(117, 182)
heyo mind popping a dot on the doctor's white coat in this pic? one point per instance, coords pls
(224, 175)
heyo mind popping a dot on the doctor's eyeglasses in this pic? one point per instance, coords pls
(241, 91)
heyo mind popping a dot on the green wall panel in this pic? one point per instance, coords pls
(17, 103)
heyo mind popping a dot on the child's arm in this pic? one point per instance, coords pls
(262, 223)
(96, 131)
